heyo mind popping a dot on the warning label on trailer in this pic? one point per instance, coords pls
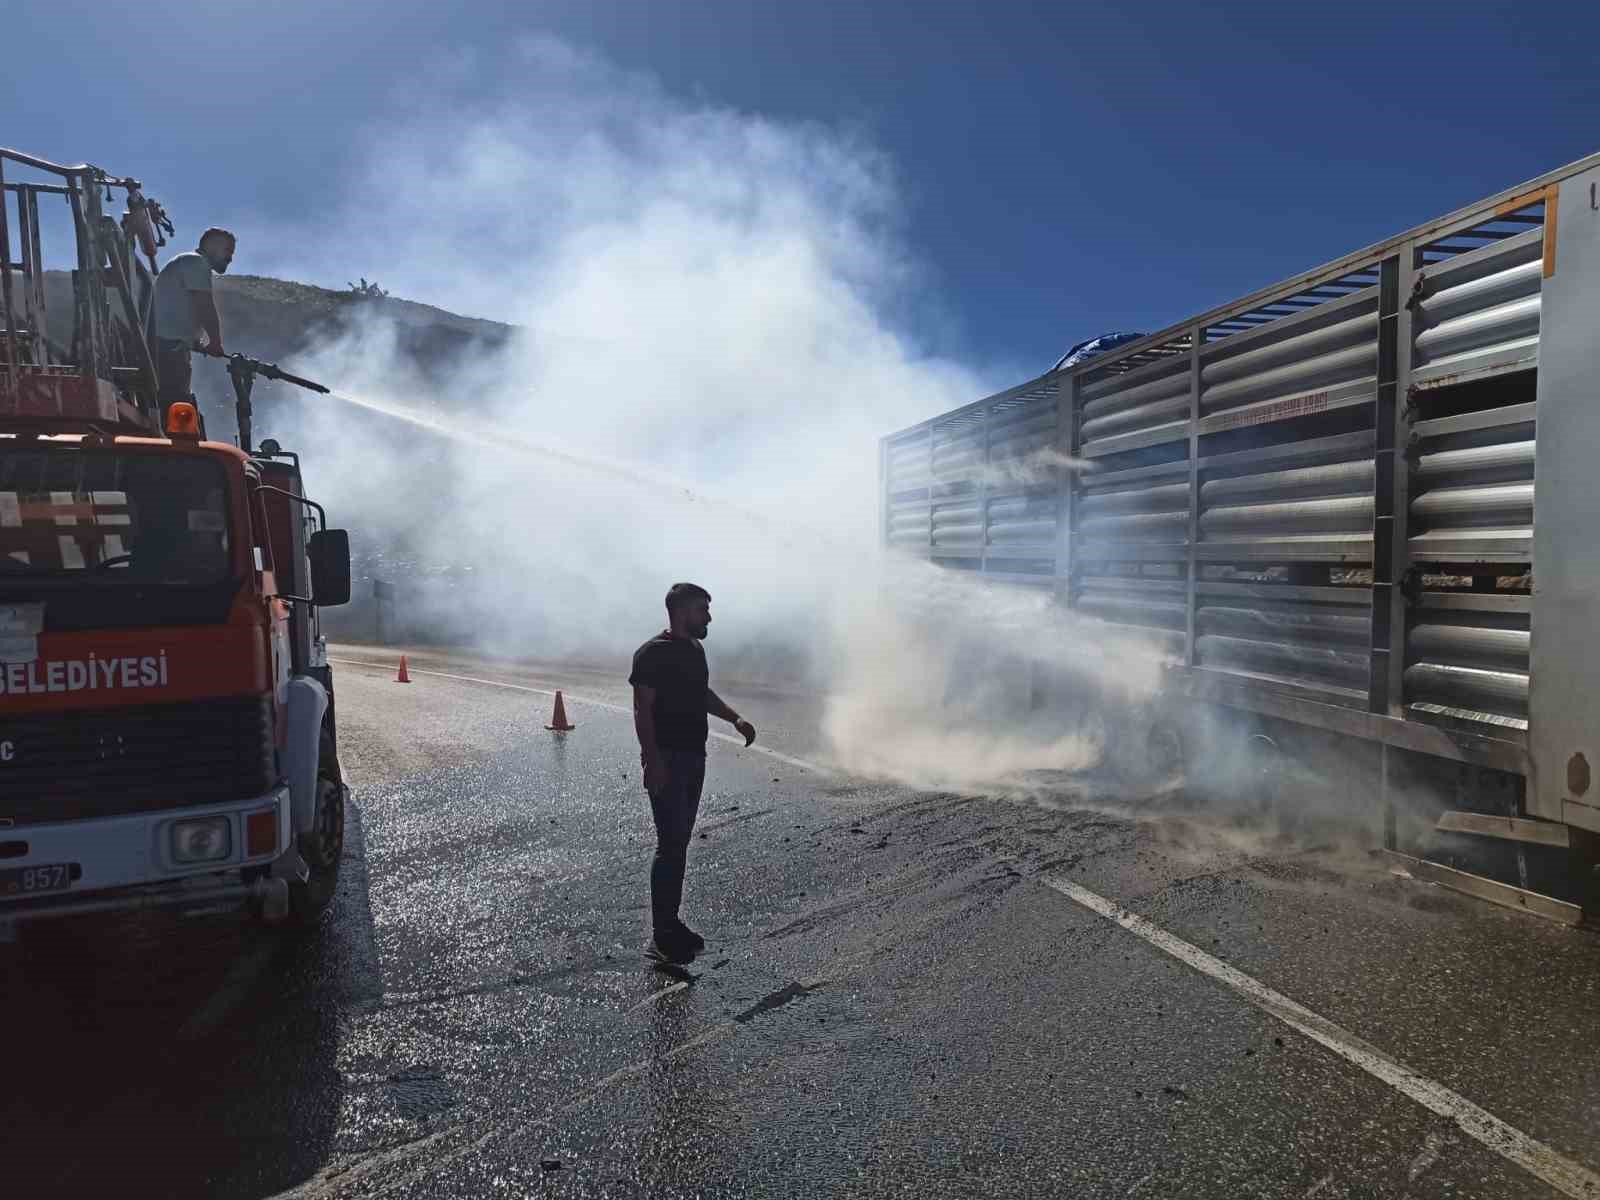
(1282, 410)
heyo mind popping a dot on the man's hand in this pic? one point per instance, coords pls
(215, 350)
(746, 730)
(656, 775)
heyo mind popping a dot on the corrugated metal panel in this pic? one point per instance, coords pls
(1469, 690)
(908, 523)
(1472, 503)
(1323, 509)
(1315, 645)
(1467, 664)
(1022, 484)
(1334, 346)
(1148, 601)
(958, 523)
(980, 484)
(1022, 431)
(1343, 667)
(1478, 313)
(1151, 397)
(1472, 497)
(1146, 510)
(1015, 519)
(906, 464)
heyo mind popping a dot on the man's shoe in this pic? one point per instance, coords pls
(685, 934)
(669, 946)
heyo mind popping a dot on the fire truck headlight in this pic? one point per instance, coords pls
(206, 840)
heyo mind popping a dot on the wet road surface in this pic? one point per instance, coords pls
(895, 999)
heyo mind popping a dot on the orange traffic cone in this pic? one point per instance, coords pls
(558, 721)
(402, 677)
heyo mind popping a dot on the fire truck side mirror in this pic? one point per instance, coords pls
(329, 551)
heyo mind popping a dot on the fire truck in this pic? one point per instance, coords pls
(167, 733)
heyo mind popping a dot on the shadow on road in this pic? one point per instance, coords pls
(163, 1055)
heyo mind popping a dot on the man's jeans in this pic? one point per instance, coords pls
(176, 372)
(674, 808)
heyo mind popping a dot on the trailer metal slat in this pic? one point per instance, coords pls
(1511, 414)
(1458, 686)
(1310, 452)
(1135, 420)
(1323, 548)
(1505, 750)
(1478, 331)
(1287, 591)
(1136, 440)
(1289, 689)
(1325, 481)
(1290, 346)
(1470, 645)
(1287, 625)
(1168, 497)
(1494, 457)
(1334, 369)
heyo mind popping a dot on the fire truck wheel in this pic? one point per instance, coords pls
(323, 846)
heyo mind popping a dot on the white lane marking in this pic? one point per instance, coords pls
(1318, 1187)
(589, 700)
(241, 976)
(1432, 1145)
(654, 996)
(1567, 1177)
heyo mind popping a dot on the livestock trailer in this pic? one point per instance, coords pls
(1360, 504)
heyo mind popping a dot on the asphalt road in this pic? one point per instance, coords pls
(905, 993)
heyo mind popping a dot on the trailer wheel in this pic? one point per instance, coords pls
(1164, 752)
(1144, 754)
(322, 846)
(1265, 780)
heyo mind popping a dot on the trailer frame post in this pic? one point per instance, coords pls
(1391, 556)
(1067, 443)
(1192, 534)
(983, 497)
(1386, 799)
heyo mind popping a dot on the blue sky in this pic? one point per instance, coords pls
(1057, 170)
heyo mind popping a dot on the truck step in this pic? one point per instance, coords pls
(1484, 888)
(1514, 829)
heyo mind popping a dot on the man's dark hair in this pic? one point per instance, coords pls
(216, 231)
(680, 594)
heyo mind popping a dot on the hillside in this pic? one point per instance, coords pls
(276, 319)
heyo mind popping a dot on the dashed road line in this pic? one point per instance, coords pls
(654, 996)
(1432, 1147)
(241, 976)
(1567, 1177)
(591, 701)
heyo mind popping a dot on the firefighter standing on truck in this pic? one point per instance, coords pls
(184, 315)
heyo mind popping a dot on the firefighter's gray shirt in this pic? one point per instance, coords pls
(173, 310)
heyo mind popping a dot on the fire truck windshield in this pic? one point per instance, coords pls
(103, 516)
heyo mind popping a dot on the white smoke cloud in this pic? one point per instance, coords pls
(703, 292)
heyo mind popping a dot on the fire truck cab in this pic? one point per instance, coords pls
(167, 733)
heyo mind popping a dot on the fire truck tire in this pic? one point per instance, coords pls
(322, 846)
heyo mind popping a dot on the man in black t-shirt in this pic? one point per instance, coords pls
(671, 697)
